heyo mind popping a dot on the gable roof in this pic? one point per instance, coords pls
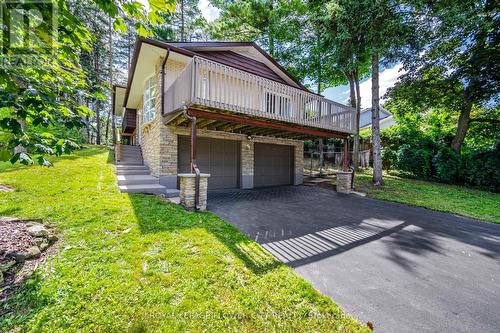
(246, 56)
(365, 119)
(248, 50)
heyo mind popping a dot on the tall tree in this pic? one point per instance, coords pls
(387, 31)
(263, 21)
(348, 39)
(185, 24)
(48, 90)
(376, 142)
(437, 64)
(111, 112)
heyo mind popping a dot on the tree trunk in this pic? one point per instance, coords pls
(87, 118)
(355, 101)
(108, 119)
(462, 128)
(182, 22)
(129, 43)
(271, 30)
(352, 91)
(376, 145)
(97, 105)
(358, 114)
(98, 123)
(112, 110)
(106, 135)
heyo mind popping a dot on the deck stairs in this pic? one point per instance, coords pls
(135, 177)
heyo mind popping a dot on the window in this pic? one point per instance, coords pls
(149, 99)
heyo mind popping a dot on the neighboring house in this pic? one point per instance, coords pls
(252, 116)
(365, 118)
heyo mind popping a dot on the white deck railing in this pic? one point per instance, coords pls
(214, 85)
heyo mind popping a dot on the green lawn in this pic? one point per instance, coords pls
(134, 263)
(443, 197)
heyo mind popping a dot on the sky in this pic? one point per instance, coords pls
(209, 12)
(388, 78)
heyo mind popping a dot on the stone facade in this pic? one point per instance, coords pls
(187, 183)
(247, 164)
(159, 142)
(159, 146)
(247, 151)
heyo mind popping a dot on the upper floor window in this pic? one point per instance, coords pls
(149, 99)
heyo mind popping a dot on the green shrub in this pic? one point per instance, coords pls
(389, 157)
(482, 169)
(415, 161)
(447, 165)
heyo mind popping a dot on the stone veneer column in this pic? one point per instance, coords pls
(247, 158)
(188, 189)
(168, 157)
(299, 164)
(344, 179)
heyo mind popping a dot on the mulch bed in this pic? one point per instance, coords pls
(14, 237)
(23, 246)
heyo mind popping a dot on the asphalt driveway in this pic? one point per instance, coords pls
(405, 269)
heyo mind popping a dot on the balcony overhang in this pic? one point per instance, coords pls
(118, 97)
(129, 121)
(222, 90)
(226, 121)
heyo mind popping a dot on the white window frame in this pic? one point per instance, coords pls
(149, 100)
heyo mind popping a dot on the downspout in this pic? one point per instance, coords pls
(162, 70)
(194, 166)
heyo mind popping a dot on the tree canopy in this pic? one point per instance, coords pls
(46, 87)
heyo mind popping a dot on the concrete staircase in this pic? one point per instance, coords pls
(133, 176)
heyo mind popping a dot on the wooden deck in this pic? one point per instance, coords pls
(206, 84)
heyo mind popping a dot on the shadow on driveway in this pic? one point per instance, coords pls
(404, 268)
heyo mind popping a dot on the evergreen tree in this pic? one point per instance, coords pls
(186, 24)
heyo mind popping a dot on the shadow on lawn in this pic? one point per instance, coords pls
(154, 215)
(22, 298)
(7, 167)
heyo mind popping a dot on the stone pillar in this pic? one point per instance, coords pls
(187, 182)
(299, 164)
(168, 157)
(247, 158)
(344, 179)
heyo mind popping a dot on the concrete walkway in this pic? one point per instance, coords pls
(406, 269)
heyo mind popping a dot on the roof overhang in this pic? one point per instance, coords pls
(147, 53)
(145, 59)
(118, 99)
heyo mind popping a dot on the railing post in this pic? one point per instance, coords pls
(193, 80)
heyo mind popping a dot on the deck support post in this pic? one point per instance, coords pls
(345, 165)
(194, 165)
(345, 177)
